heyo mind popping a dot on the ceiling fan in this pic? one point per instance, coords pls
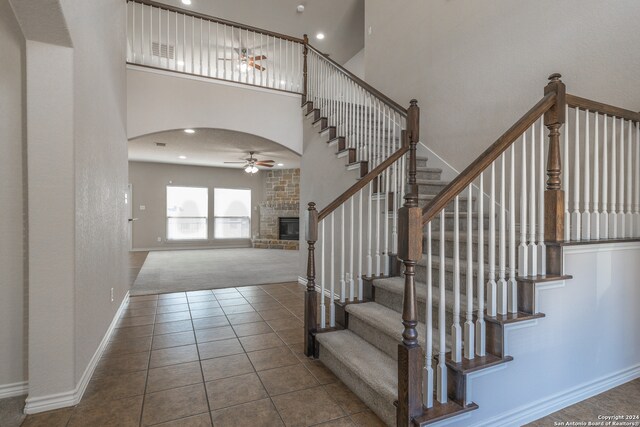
(245, 60)
(251, 163)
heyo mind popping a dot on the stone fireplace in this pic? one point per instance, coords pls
(282, 201)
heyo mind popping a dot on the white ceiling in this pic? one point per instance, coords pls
(209, 147)
(341, 21)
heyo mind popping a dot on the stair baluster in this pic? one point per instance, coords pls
(595, 215)
(469, 338)
(481, 329)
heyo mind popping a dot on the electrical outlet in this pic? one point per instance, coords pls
(111, 294)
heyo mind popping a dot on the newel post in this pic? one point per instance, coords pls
(410, 252)
(554, 118)
(310, 307)
(305, 51)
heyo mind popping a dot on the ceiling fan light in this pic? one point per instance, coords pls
(247, 169)
(254, 169)
(243, 67)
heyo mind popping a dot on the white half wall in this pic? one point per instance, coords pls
(159, 101)
(588, 342)
(356, 64)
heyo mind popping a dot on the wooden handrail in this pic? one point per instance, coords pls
(351, 191)
(394, 105)
(219, 20)
(485, 159)
(595, 106)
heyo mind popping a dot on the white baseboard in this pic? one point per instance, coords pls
(14, 389)
(34, 405)
(538, 409)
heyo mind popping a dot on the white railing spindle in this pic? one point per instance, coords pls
(456, 331)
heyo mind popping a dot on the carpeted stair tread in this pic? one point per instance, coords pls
(372, 366)
(396, 285)
(387, 321)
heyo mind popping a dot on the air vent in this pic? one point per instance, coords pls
(162, 50)
(161, 144)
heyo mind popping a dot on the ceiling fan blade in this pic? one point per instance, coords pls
(267, 161)
(257, 58)
(257, 67)
(264, 165)
(235, 162)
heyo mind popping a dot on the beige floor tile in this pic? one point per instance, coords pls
(255, 328)
(349, 402)
(203, 305)
(119, 365)
(210, 350)
(261, 298)
(172, 295)
(135, 312)
(272, 358)
(174, 308)
(142, 304)
(234, 391)
(126, 322)
(232, 301)
(201, 298)
(174, 404)
(132, 345)
(206, 312)
(226, 366)
(320, 372)
(228, 295)
(172, 301)
(114, 413)
(210, 322)
(143, 298)
(173, 340)
(240, 318)
(174, 376)
(292, 336)
(224, 290)
(132, 332)
(278, 313)
(237, 309)
(261, 342)
(214, 334)
(172, 327)
(172, 317)
(367, 419)
(340, 422)
(270, 305)
(262, 413)
(199, 293)
(202, 420)
(57, 418)
(173, 356)
(287, 379)
(115, 387)
(285, 323)
(307, 407)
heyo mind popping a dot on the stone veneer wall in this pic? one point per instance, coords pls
(282, 199)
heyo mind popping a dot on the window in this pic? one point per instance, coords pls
(232, 212)
(187, 213)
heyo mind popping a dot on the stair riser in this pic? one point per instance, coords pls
(449, 223)
(430, 188)
(394, 302)
(428, 175)
(449, 247)
(383, 342)
(421, 276)
(378, 404)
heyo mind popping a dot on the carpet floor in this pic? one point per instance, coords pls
(190, 270)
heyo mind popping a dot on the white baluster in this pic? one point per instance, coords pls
(469, 338)
(637, 192)
(621, 217)
(343, 283)
(565, 179)
(441, 372)
(480, 325)
(456, 331)
(512, 293)
(332, 306)
(427, 391)
(523, 252)
(370, 233)
(360, 246)
(604, 215)
(491, 284)
(613, 217)
(628, 217)
(576, 231)
(385, 206)
(542, 249)
(351, 237)
(595, 215)
(323, 311)
(501, 298)
(533, 248)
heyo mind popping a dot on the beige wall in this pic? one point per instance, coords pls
(476, 66)
(149, 182)
(13, 368)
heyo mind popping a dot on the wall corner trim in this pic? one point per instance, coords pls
(73, 397)
(14, 389)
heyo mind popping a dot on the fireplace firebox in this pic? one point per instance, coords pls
(288, 228)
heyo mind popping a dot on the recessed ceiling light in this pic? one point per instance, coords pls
(280, 164)
(189, 131)
(282, 82)
(320, 36)
(182, 157)
(300, 8)
(187, 2)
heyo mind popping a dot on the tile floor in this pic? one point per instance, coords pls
(227, 357)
